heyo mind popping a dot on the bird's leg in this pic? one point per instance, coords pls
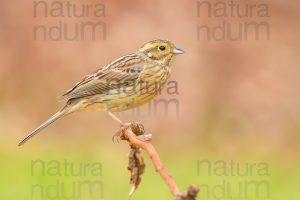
(115, 118)
(142, 136)
(119, 133)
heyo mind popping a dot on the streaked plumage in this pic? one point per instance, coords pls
(130, 81)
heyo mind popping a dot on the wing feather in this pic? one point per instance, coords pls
(123, 72)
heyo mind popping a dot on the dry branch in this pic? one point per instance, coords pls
(135, 134)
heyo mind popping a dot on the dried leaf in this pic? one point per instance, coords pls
(136, 166)
(137, 128)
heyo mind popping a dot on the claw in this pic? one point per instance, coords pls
(138, 130)
(117, 136)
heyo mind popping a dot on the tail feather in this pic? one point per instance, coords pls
(52, 119)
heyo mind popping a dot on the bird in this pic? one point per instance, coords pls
(129, 81)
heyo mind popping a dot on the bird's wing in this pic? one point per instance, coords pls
(123, 72)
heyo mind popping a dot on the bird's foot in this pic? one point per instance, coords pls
(119, 135)
(137, 129)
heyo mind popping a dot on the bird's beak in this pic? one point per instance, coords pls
(177, 51)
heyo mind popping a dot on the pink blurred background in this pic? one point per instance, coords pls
(233, 94)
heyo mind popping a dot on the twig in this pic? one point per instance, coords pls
(149, 148)
(132, 133)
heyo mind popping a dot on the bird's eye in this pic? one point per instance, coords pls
(162, 48)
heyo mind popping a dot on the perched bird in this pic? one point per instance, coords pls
(127, 82)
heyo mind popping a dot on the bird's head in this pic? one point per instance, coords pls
(160, 50)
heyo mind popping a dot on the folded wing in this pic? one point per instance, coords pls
(124, 72)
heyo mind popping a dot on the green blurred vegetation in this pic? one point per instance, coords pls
(17, 180)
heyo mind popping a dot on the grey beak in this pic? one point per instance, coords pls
(177, 51)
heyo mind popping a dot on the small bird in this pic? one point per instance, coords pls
(129, 81)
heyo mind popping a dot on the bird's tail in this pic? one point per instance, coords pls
(52, 119)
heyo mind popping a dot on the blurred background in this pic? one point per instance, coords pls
(237, 96)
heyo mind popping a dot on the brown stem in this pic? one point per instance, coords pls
(130, 133)
(149, 148)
